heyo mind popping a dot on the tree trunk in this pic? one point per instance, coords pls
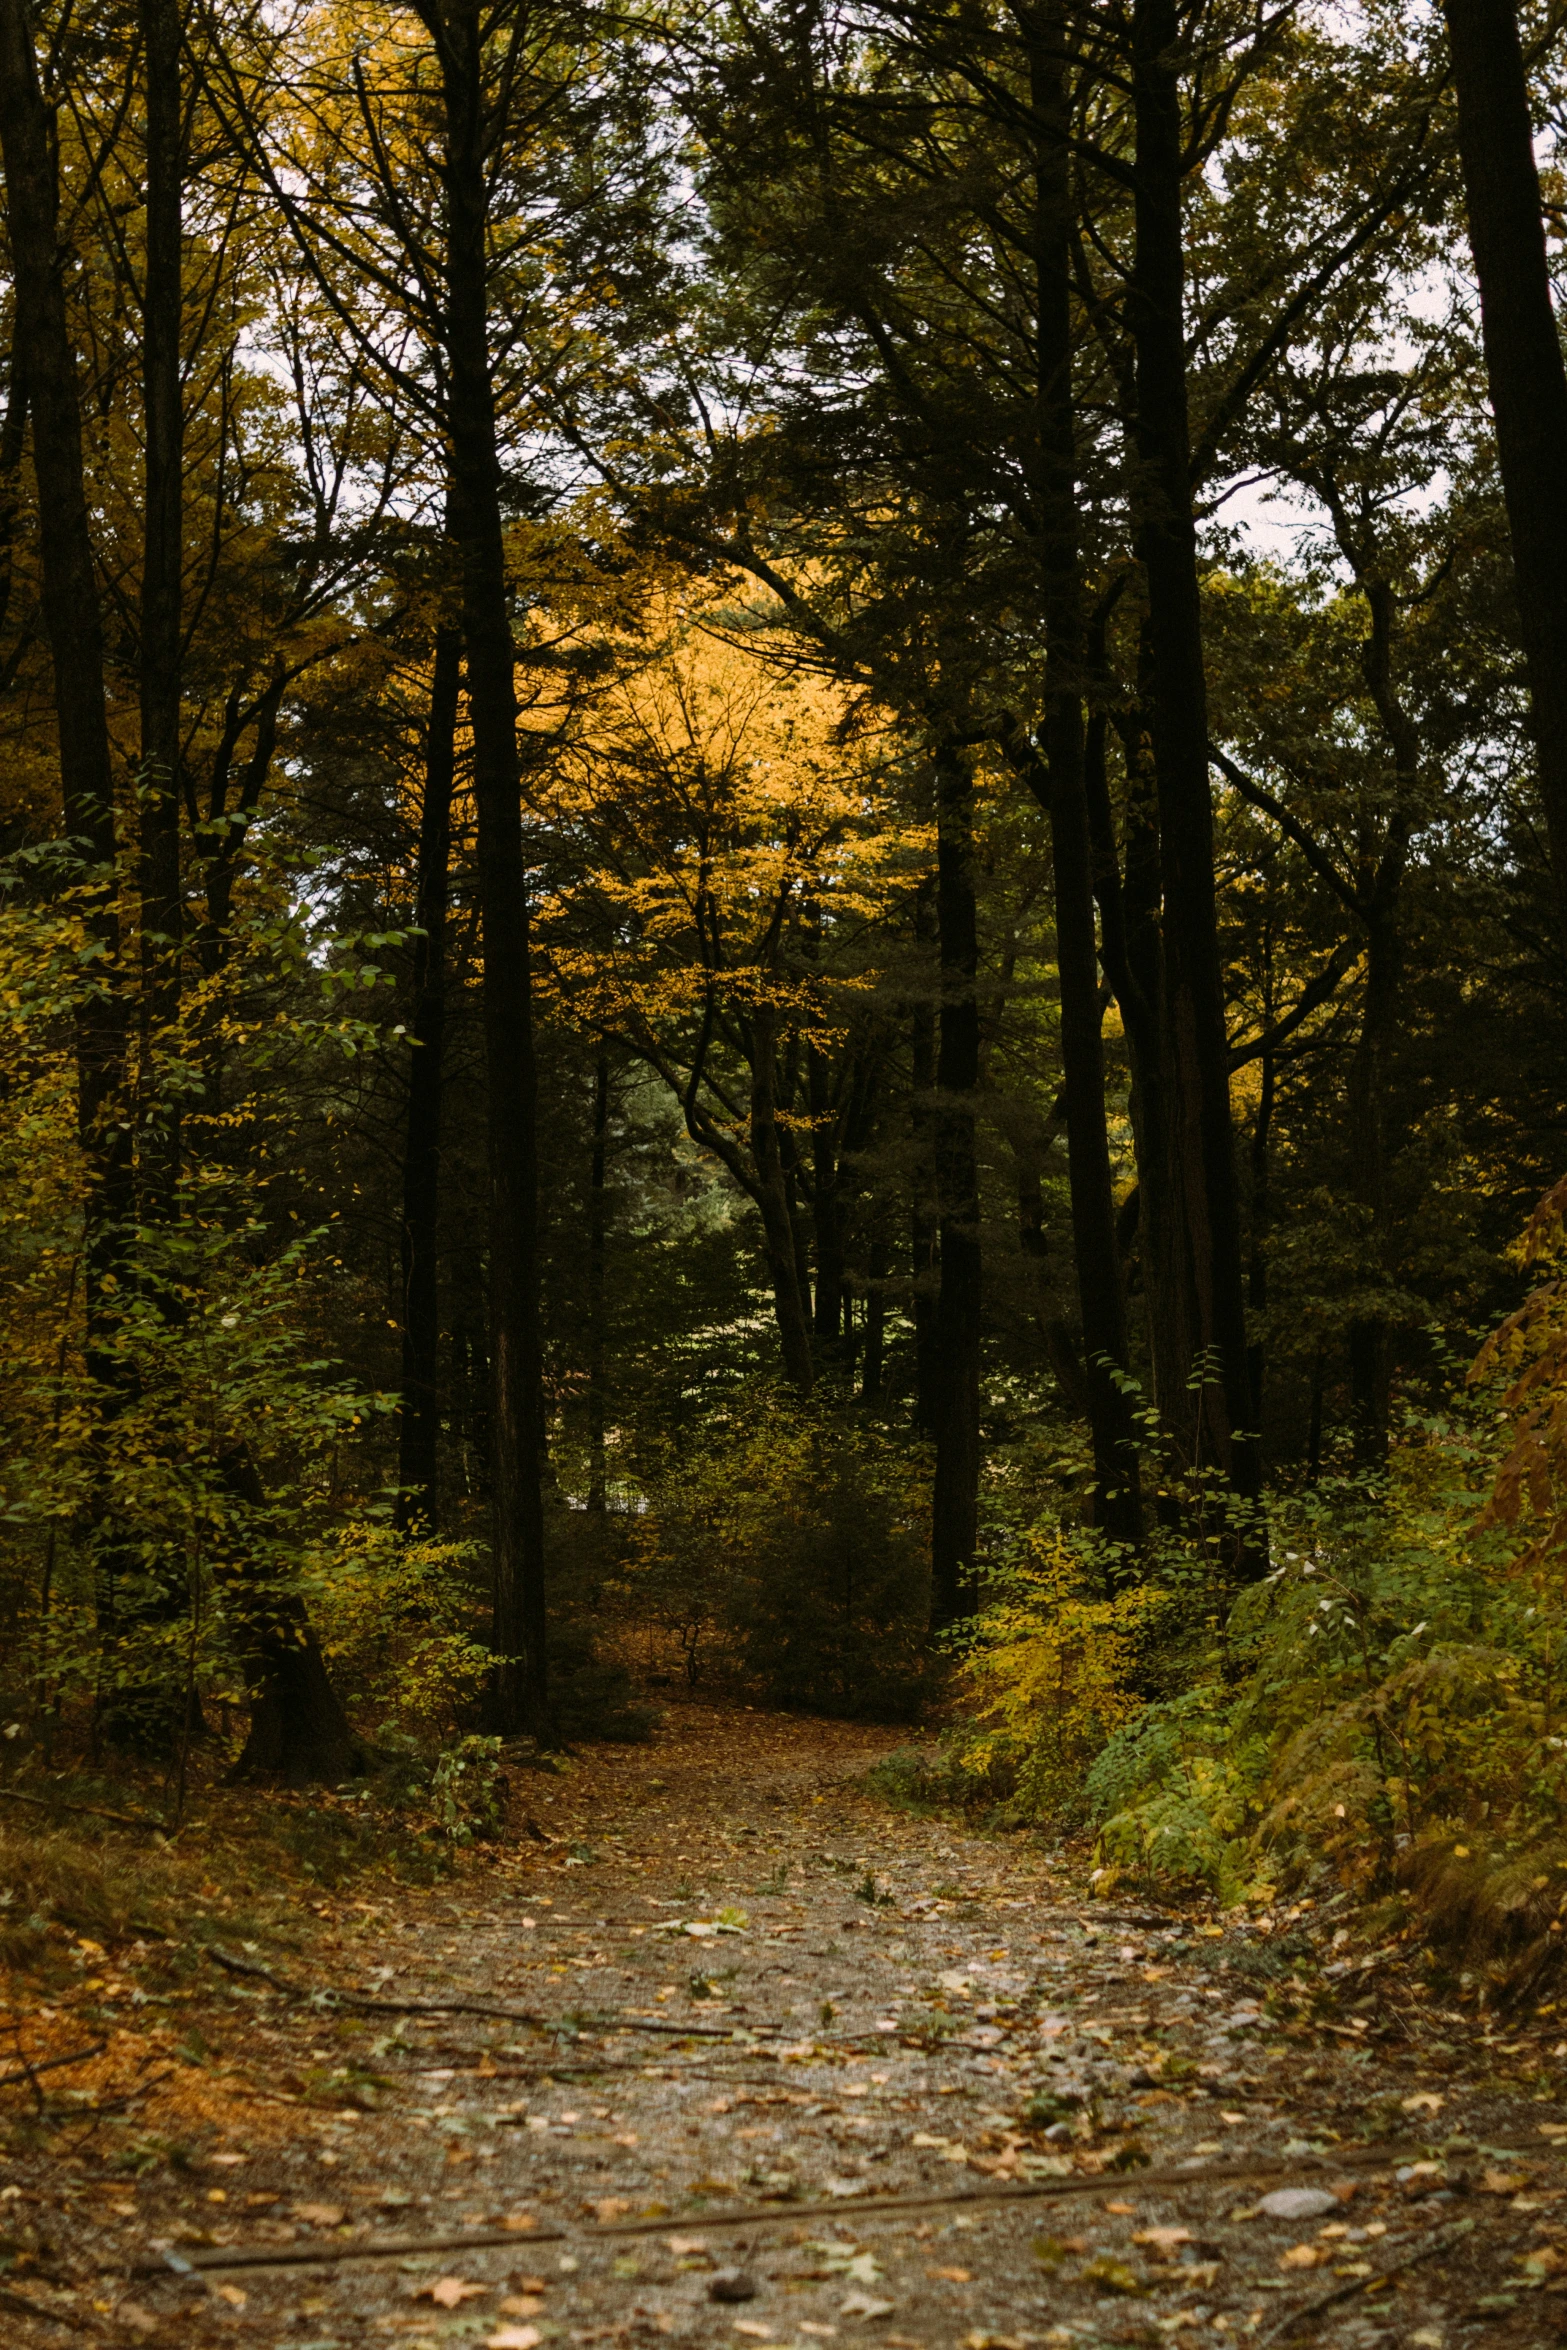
(161, 600)
(827, 1313)
(1261, 1209)
(299, 1732)
(871, 1372)
(419, 1417)
(922, 1189)
(1117, 1500)
(73, 624)
(1199, 1162)
(954, 1506)
(516, 1379)
(1523, 357)
(779, 1236)
(1369, 1348)
(598, 1475)
(74, 627)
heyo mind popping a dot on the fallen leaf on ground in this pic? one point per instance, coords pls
(864, 2305)
(449, 2292)
(1423, 2101)
(233, 2296)
(521, 2305)
(1163, 2242)
(514, 2338)
(320, 2215)
(954, 2276)
(1301, 2256)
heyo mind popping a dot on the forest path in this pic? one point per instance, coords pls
(914, 1989)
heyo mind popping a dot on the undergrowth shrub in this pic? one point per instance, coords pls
(1048, 1682)
(1383, 1714)
(788, 1550)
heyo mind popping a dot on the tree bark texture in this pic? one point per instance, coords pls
(598, 1226)
(954, 1504)
(922, 1187)
(299, 1732)
(1198, 1164)
(826, 1217)
(419, 1416)
(161, 599)
(780, 1237)
(516, 1383)
(1523, 358)
(1117, 1500)
(73, 623)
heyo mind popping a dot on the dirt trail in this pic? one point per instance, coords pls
(893, 2007)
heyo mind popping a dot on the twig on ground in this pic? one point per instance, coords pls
(364, 2004)
(320, 2255)
(760, 2214)
(92, 1811)
(1442, 2241)
(26, 2308)
(50, 2064)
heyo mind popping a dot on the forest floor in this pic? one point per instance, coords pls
(772, 1995)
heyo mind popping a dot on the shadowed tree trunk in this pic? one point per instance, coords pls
(299, 1732)
(162, 574)
(598, 1475)
(1196, 1165)
(780, 1237)
(73, 624)
(1523, 358)
(922, 1217)
(516, 1385)
(419, 1418)
(954, 1502)
(1060, 782)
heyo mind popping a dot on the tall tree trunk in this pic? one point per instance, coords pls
(780, 1238)
(1261, 1211)
(419, 1417)
(1369, 1348)
(1200, 1161)
(598, 1474)
(1523, 358)
(73, 624)
(922, 1188)
(516, 1377)
(162, 577)
(826, 1215)
(299, 1732)
(1117, 1500)
(871, 1359)
(954, 1504)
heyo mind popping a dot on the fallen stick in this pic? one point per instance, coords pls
(26, 2308)
(91, 1811)
(50, 2064)
(198, 2263)
(1442, 2241)
(760, 2214)
(364, 2004)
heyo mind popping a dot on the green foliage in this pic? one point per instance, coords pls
(467, 1787)
(1048, 1679)
(785, 1545)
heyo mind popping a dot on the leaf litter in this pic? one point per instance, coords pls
(979, 2019)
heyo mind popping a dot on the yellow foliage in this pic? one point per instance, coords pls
(1048, 1687)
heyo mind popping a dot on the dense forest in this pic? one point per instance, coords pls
(785, 900)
